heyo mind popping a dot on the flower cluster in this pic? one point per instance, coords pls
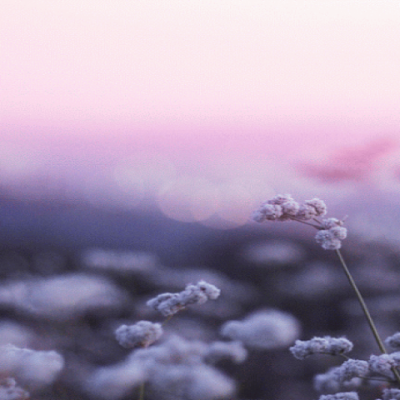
(10, 391)
(332, 381)
(141, 334)
(319, 345)
(353, 369)
(177, 367)
(33, 369)
(394, 341)
(285, 208)
(340, 396)
(352, 374)
(170, 303)
(181, 368)
(332, 234)
(233, 351)
(383, 364)
(391, 394)
(265, 329)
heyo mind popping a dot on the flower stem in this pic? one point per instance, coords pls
(366, 311)
(308, 223)
(141, 391)
(362, 303)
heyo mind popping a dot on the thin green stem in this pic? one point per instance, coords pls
(366, 311)
(362, 303)
(167, 319)
(141, 391)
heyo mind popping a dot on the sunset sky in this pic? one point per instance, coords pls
(119, 99)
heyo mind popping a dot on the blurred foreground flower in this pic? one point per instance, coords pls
(122, 262)
(176, 368)
(10, 391)
(340, 396)
(62, 297)
(141, 334)
(33, 369)
(268, 329)
(391, 394)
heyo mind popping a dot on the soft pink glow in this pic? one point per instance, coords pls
(147, 62)
(210, 87)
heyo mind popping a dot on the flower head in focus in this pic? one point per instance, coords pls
(285, 208)
(170, 303)
(141, 334)
(319, 345)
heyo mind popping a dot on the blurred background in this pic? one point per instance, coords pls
(156, 128)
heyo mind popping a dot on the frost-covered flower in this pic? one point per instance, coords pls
(382, 365)
(271, 212)
(266, 329)
(318, 205)
(279, 208)
(141, 334)
(339, 232)
(393, 341)
(174, 369)
(340, 396)
(311, 209)
(284, 208)
(290, 208)
(170, 303)
(353, 369)
(332, 234)
(31, 368)
(391, 394)
(319, 345)
(327, 240)
(259, 215)
(396, 358)
(348, 376)
(328, 382)
(10, 391)
(233, 351)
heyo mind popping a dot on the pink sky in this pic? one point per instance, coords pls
(90, 83)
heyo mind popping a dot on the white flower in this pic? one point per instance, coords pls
(340, 396)
(267, 329)
(319, 345)
(170, 303)
(141, 334)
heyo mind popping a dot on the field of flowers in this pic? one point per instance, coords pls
(78, 320)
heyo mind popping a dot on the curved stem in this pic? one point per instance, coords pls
(362, 303)
(366, 311)
(167, 319)
(308, 223)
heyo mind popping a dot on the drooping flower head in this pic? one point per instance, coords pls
(284, 208)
